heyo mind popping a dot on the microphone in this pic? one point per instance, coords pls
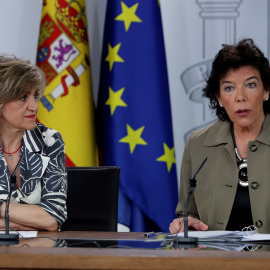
(7, 238)
(192, 185)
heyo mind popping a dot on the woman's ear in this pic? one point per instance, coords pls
(219, 100)
(266, 95)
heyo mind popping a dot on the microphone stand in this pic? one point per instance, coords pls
(186, 240)
(7, 238)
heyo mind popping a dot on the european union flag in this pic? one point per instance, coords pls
(135, 126)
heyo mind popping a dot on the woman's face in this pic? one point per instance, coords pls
(242, 95)
(21, 114)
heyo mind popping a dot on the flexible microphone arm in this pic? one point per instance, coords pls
(7, 236)
(191, 188)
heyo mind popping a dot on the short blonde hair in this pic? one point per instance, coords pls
(18, 76)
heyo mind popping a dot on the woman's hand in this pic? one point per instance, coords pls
(193, 223)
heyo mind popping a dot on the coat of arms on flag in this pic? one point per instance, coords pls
(63, 55)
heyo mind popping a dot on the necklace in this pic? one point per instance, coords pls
(242, 165)
(11, 154)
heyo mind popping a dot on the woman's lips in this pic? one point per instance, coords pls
(243, 112)
(32, 116)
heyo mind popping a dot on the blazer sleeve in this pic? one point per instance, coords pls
(54, 180)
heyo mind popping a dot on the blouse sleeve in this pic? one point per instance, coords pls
(54, 180)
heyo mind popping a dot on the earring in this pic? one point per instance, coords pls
(266, 98)
(220, 105)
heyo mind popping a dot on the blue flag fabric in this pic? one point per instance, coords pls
(134, 114)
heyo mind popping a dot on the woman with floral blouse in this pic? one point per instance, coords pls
(38, 201)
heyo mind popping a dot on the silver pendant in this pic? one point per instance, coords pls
(242, 173)
(11, 156)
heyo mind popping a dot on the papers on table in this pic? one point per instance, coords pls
(226, 236)
(256, 237)
(23, 234)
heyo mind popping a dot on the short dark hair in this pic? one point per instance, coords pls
(245, 53)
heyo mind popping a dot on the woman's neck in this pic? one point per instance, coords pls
(251, 132)
(10, 141)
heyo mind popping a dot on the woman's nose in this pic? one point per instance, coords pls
(240, 95)
(33, 104)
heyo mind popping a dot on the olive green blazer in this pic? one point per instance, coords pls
(217, 181)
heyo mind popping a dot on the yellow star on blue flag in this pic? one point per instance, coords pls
(115, 99)
(113, 55)
(128, 15)
(133, 138)
(168, 156)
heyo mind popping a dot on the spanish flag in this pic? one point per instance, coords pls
(63, 54)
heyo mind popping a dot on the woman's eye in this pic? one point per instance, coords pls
(251, 85)
(23, 98)
(37, 95)
(228, 88)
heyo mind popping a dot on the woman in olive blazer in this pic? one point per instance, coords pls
(233, 187)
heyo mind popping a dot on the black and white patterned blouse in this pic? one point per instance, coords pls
(43, 173)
